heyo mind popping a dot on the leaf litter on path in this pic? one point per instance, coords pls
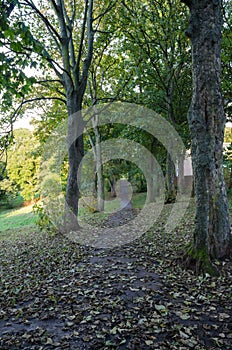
(55, 294)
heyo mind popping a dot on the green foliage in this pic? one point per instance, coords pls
(226, 56)
(9, 196)
(23, 163)
(141, 55)
(138, 200)
(19, 179)
(227, 163)
(9, 201)
(50, 210)
(162, 57)
(89, 205)
(43, 221)
(228, 135)
(53, 115)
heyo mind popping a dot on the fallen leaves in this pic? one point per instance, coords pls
(55, 294)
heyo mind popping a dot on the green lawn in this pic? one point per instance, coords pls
(138, 201)
(22, 220)
(16, 221)
(112, 204)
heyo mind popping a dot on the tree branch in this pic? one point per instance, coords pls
(111, 99)
(77, 68)
(42, 98)
(8, 9)
(54, 5)
(105, 12)
(89, 55)
(49, 81)
(17, 110)
(44, 19)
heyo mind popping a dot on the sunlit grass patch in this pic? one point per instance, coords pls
(16, 219)
(19, 211)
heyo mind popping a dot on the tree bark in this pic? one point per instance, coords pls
(151, 175)
(97, 148)
(181, 179)
(75, 154)
(170, 194)
(99, 169)
(212, 236)
(75, 81)
(112, 187)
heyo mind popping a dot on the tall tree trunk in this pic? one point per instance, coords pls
(181, 179)
(170, 194)
(151, 175)
(99, 169)
(212, 236)
(75, 154)
(75, 80)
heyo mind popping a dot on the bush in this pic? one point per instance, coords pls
(15, 202)
(10, 197)
(43, 221)
(11, 201)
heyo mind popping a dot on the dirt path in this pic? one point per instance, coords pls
(57, 295)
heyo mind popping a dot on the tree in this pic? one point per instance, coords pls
(23, 163)
(162, 60)
(226, 55)
(14, 83)
(66, 45)
(212, 236)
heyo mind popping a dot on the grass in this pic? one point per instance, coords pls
(19, 221)
(111, 205)
(16, 221)
(138, 200)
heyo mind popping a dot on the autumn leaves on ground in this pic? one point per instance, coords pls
(55, 294)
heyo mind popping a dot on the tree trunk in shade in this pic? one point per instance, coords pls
(212, 237)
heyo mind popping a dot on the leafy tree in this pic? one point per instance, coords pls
(212, 236)
(160, 59)
(23, 163)
(226, 55)
(65, 41)
(14, 83)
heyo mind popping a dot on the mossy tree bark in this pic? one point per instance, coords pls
(212, 236)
